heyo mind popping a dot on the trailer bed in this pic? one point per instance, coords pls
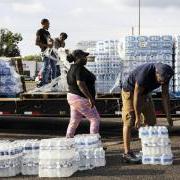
(55, 105)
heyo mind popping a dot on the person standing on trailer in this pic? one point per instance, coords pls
(59, 42)
(44, 41)
(81, 96)
(137, 101)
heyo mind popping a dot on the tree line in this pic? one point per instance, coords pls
(9, 42)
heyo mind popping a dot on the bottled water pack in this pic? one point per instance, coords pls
(146, 49)
(10, 159)
(107, 65)
(177, 65)
(90, 150)
(10, 81)
(106, 74)
(30, 158)
(156, 145)
(58, 157)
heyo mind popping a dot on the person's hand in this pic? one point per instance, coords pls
(92, 102)
(170, 121)
(137, 123)
(67, 51)
(51, 40)
(50, 45)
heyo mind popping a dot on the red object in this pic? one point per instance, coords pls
(6, 113)
(159, 112)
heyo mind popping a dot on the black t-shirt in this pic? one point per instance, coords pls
(79, 72)
(145, 76)
(44, 37)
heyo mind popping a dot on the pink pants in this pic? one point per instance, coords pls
(80, 107)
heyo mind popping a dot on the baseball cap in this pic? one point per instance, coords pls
(164, 70)
(79, 52)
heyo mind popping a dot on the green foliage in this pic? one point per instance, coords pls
(32, 58)
(9, 43)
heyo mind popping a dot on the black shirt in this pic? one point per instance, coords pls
(145, 76)
(79, 72)
(44, 37)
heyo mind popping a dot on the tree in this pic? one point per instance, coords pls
(9, 43)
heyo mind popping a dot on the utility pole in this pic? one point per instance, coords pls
(139, 17)
(132, 31)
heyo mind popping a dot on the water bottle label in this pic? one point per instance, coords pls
(36, 147)
(157, 159)
(146, 159)
(2, 154)
(12, 153)
(28, 148)
(145, 133)
(167, 160)
(164, 133)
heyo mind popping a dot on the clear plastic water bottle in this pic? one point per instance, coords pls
(155, 131)
(146, 159)
(58, 157)
(3, 156)
(166, 159)
(157, 147)
(155, 160)
(144, 132)
(163, 132)
(99, 155)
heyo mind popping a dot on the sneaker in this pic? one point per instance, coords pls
(104, 148)
(139, 155)
(39, 85)
(130, 157)
(170, 122)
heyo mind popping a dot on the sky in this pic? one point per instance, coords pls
(88, 19)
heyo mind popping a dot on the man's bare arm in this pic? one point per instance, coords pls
(137, 103)
(40, 44)
(166, 103)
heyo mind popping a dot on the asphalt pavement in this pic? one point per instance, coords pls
(111, 132)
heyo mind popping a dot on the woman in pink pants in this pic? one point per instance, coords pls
(81, 96)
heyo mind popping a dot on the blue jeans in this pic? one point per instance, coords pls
(58, 71)
(48, 66)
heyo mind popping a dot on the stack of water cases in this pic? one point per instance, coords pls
(90, 150)
(30, 158)
(156, 145)
(146, 49)
(10, 81)
(10, 159)
(107, 65)
(177, 65)
(58, 157)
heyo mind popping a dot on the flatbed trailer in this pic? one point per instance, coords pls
(55, 105)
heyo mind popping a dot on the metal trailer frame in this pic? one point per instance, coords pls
(108, 105)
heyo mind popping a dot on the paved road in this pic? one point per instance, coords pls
(111, 131)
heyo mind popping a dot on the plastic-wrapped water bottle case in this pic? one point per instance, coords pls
(56, 157)
(156, 145)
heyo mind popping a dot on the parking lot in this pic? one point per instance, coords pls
(111, 132)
